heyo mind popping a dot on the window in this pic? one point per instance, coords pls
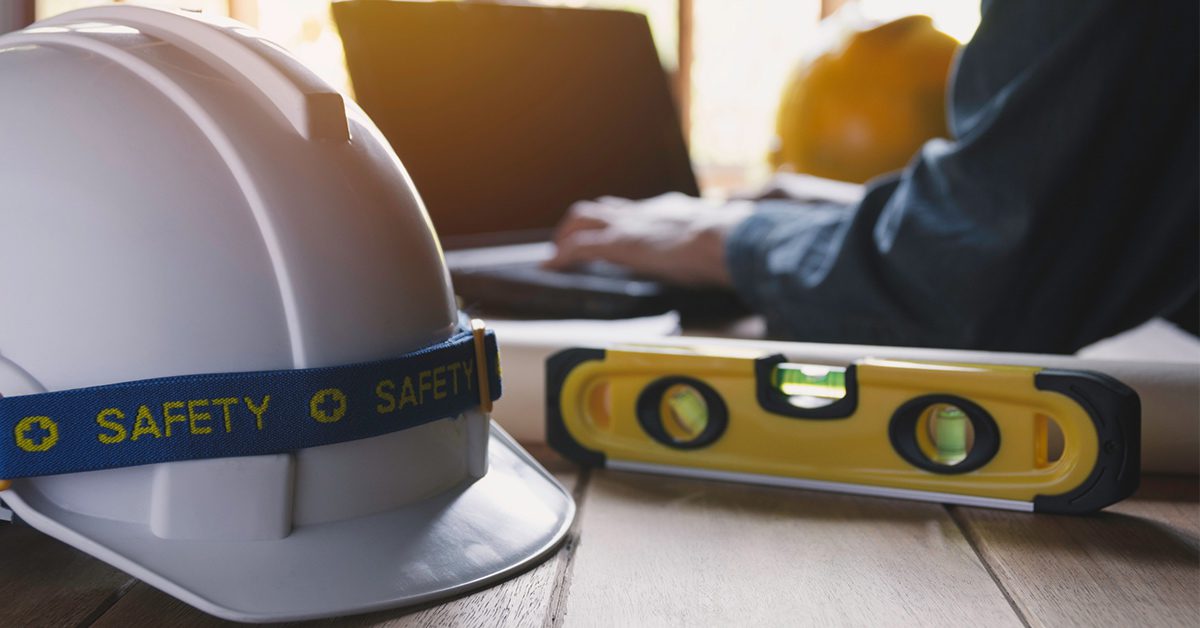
(728, 60)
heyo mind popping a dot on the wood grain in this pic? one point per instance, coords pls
(1137, 563)
(656, 551)
(524, 600)
(47, 583)
(663, 551)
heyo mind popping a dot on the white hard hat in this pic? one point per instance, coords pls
(179, 196)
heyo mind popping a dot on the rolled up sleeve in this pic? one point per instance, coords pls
(1065, 210)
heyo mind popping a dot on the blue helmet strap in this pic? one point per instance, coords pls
(222, 415)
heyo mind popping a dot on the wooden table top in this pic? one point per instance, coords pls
(648, 550)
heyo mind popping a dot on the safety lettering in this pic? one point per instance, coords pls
(431, 384)
(171, 419)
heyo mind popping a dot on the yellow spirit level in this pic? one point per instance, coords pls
(1014, 437)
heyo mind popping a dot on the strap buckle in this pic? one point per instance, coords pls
(479, 331)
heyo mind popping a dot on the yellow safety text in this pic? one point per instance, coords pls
(193, 417)
(436, 383)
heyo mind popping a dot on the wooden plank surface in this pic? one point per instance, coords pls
(526, 600)
(1136, 564)
(47, 583)
(655, 551)
(664, 551)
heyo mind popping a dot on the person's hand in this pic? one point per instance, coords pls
(673, 237)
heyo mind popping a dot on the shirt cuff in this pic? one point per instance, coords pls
(751, 241)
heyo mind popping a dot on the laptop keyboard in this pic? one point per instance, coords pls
(523, 263)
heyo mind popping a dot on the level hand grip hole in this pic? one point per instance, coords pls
(599, 405)
(1048, 441)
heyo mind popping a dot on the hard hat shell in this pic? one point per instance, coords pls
(865, 105)
(179, 196)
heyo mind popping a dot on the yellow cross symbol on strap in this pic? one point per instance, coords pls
(328, 405)
(36, 433)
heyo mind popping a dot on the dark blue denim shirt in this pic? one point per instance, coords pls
(1065, 209)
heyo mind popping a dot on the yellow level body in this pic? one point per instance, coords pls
(623, 407)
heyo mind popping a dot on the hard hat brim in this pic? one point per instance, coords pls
(475, 534)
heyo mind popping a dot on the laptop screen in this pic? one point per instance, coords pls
(505, 115)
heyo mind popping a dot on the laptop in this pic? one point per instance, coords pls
(504, 116)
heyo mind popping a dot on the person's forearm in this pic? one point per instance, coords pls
(778, 260)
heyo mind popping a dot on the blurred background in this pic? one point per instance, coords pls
(728, 85)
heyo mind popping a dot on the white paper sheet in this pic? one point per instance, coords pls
(1155, 340)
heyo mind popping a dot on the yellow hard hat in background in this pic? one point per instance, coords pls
(867, 102)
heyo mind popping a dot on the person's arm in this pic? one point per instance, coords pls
(1065, 212)
(681, 238)
(674, 237)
